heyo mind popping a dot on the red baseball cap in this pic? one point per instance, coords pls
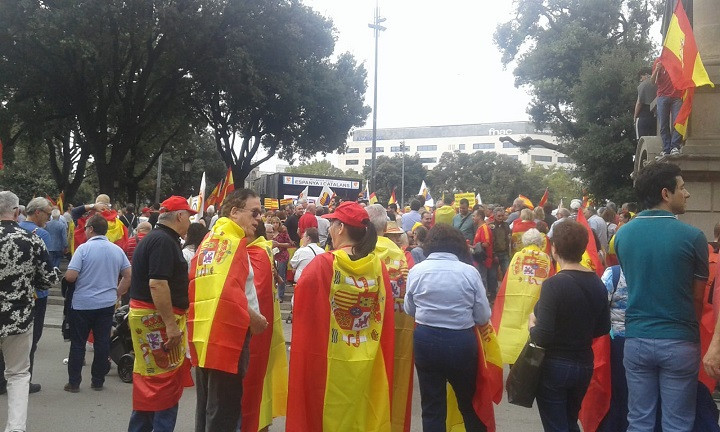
(146, 210)
(350, 213)
(175, 203)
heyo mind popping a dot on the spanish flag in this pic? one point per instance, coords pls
(218, 317)
(681, 59)
(544, 198)
(518, 229)
(596, 403)
(392, 200)
(373, 198)
(488, 383)
(526, 201)
(265, 384)
(396, 263)
(221, 190)
(516, 298)
(341, 367)
(117, 232)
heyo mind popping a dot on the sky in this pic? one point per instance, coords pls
(437, 61)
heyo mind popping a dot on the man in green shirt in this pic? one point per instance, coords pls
(464, 221)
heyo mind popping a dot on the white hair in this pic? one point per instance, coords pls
(55, 214)
(532, 236)
(165, 216)
(36, 204)
(378, 217)
(8, 203)
(210, 210)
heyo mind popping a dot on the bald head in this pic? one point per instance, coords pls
(144, 227)
(311, 208)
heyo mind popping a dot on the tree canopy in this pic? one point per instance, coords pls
(579, 60)
(321, 167)
(388, 175)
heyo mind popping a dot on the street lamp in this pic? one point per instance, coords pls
(186, 168)
(377, 29)
(402, 178)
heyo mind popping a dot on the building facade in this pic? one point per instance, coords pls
(430, 142)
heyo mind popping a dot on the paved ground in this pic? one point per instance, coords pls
(53, 409)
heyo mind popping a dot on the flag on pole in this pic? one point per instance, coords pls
(61, 201)
(392, 200)
(373, 198)
(425, 192)
(201, 199)
(52, 201)
(478, 198)
(326, 195)
(527, 202)
(544, 198)
(222, 189)
(303, 193)
(681, 60)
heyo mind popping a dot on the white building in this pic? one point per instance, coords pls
(430, 142)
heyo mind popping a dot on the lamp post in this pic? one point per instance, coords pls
(402, 178)
(377, 29)
(186, 168)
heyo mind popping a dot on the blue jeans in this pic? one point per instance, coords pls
(667, 111)
(81, 322)
(562, 387)
(442, 356)
(282, 271)
(667, 368)
(153, 421)
(55, 257)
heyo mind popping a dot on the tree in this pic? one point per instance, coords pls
(388, 175)
(579, 60)
(269, 83)
(497, 178)
(108, 73)
(321, 167)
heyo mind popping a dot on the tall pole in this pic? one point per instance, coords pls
(377, 29)
(402, 178)
(159, 176)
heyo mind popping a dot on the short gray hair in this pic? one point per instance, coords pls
(378, 217)
(55, 214)
(562, 213)
(532, 236)
(36, 204)
(8, 203)
(165, 216)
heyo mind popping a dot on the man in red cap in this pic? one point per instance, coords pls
(158, 305)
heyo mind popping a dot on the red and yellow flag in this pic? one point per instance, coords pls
(526, 201)
(341, 367)
(396, 263)
(518, 229)
(218, 317)
(221, 190)
(117, 231)
(516, 298)
(61, 202)
(266, 378)
(681, 59)
(488, 383)
(392, 200)
(591, 259)
(159, 376)
(544, 198)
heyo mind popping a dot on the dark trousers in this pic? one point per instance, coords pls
(562, 387)
(219, 396)
(616, 418)
(154, 421)
(81, 322)
(442, 356)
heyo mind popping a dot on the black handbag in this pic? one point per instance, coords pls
(524, 377)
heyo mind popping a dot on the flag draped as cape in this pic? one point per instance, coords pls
(516, 298)
(518, 229)
(488, 383)
(397, 266)
(266, 378)
(117, 232)
(218, 318)
(341, 364)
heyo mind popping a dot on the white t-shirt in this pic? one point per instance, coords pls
(302, 258)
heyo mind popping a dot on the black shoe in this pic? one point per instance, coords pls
(34, 388)
(96, 387)
(71, 389)
(3, 389)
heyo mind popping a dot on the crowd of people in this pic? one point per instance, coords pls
(379, 293)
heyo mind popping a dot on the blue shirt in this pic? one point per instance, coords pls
(98, 263)
(410, 219)
(30, 226)
(57, 230)
(444, 292)
(661, 258)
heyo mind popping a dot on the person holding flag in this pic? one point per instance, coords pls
(572, 310)
(117, 232)
(341, 367)
(446, 296)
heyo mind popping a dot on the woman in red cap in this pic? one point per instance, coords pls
(341, 366)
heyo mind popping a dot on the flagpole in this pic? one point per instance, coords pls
(378, 28)
(402, 178)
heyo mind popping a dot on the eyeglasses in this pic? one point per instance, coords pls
(255, 213)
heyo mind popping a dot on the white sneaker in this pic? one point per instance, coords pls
(675, 152)
(660, 156)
